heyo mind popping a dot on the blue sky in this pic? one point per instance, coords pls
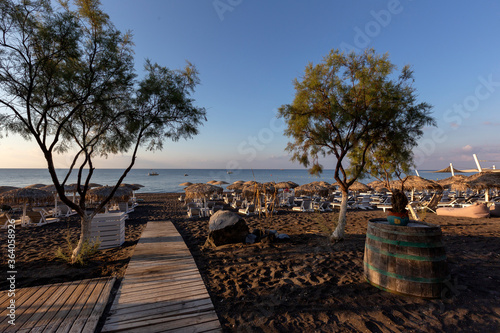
(249, 51)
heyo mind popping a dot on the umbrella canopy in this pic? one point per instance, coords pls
(123, 193)
(457, 182)
(35, 186)
(235, 187)
(417, 183)
(239, 182)
(359, 187)
(199, 190)
(292, 184)
(133, 187)
(378, 186)
(212, 182)
(262, 188)
(24, 195)
(7, 188)
(250, 182)
(186, 184)
(321, 183)
(311, 188)
(282, 185)
(447, 170)
(220, 182)
(484, 180)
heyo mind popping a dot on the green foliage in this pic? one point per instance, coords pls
(352, 106)
(89, 249)
(67, 81)
(356, 108)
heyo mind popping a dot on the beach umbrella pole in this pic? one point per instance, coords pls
(24, 214)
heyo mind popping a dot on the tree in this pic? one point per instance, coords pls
(67, 82)
(352, 107)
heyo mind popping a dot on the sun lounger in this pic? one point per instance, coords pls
(37, 218)
(249, 210)
(65, 211)
(194, 212)
(305, 206)
(4, 220)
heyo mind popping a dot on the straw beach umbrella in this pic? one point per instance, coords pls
(311, 188)
(417, 183)
(24, 196)
(359, 187)
(122, 193)
(186, 184)
(235, 187)
(484, 181)
(199, 190)
(457, 182)
(7, 188)
(35, 186)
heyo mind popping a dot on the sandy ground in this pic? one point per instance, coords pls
(302, 285)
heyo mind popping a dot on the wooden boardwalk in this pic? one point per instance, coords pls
(63, 307)
(162, 289)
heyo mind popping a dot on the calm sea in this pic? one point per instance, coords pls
(168, 180)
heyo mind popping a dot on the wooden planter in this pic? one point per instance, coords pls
(409, 260)
(108, 229)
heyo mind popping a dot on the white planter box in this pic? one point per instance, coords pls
(109, 229)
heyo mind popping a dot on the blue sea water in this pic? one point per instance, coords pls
(168, 180)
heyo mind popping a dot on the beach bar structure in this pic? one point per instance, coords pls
(108, 229)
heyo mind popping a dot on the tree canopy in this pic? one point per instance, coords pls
(353, 107)
(67, 81)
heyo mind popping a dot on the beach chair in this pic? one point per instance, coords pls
(322, 206)
(305, 206)
(249, 210)
(194, 212)
(4, 220)
(432, 204)
(65, 211)
(365, 203)
(37, 218)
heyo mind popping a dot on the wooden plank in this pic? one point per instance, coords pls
(23, 312)
(88, 319)
(162, 288)
(21, 296)
(46, 309)
(160, 308)
(93, 319)
(164, 295)
(72, 296)
(4, 297)
(161, 313)
(77, 307)
(184, 323)
(53, 312)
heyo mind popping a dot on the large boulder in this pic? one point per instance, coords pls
(226, 227)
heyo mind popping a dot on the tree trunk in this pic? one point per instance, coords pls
(84, 236)
(338, 233)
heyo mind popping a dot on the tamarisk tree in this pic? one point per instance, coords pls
(351, 106)
(67, 82)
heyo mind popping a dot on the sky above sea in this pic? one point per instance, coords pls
(249, 52)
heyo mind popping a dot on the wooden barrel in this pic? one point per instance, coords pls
(409, 260)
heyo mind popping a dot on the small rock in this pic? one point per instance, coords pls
(250, 239)
(282, 236)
